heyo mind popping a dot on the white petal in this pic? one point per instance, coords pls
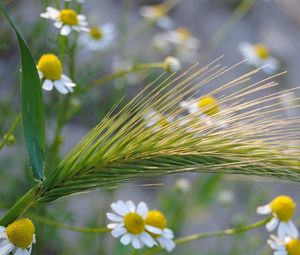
(136, 243)
(142, 209)
(40, 74)
(59, 85)
(282, 230)
(126, 239)
(116, 232)
(6, 248)
(19, 251)
(168, 233)
(272, 224)
(153, 230)
(130, 206)
(58, 24)
(147, 239)
(280, 253)
(293, 231)
(48, 85)
(265, 209)
(66, 78)
(65, 30)
(119, 208)
(113, 217)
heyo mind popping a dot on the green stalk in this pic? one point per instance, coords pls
(11, 129)
(21, 206)
(226, 232)
(119, 74)
(241, 10)
(53, 223)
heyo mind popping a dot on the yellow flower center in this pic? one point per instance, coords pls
(159, 10)
(96, 33)
(20, 233)
(134, 223)
(293, 247)
(183, 33)
(156, 219)
(261, 51)
(284, 207)
(69, 17)
(209, 105)
(50, 66)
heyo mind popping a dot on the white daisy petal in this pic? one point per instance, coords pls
(58, 24)
(272, 224)
(119, 208)
(113, 217)
(65, 30)
(59, 85)
(19, 251)
(116, 232)
(6, 248)
(153, 230)
(48, 85)
(265, 209)
(40, 74)
(292, 230)
(136, 243)
(142, 209)
(130, 206)
(147, 239)
(280, 253)
(126, 239)
(282, 230)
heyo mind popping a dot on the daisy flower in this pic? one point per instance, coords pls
(17, 237)
(157, 120)
(157, 13)
(50, 71)
(129, 224)
(259, 55)
(289, 246)
(99, 38)
(282, 208)
(66, 20)
(206, 105)
(179, 41)
(156, 219)
(172, 64)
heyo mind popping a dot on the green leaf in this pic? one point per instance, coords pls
(32, 105)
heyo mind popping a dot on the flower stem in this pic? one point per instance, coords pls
(241, 10)
(226, 232)
(135, 68)
(53, 223)
(11, 129)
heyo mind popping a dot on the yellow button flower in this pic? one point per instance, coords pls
(282, 208)
(129, 224)
(50, 71)
(157, 219)
(66, 20)
(17, 237)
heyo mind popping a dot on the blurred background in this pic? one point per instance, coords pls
(192, 202)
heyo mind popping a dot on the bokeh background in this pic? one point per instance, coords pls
(192, 202)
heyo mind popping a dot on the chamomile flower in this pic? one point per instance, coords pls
(156, 219)
(157, 13)
(289, 246)
(206, 105)
(50, 71)
(172, 64)
(129, 224)
(157, 120)
(282, 208)
(17, 237)
(179, 41)
(99, 38)
(258, 55)
(66, 20)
